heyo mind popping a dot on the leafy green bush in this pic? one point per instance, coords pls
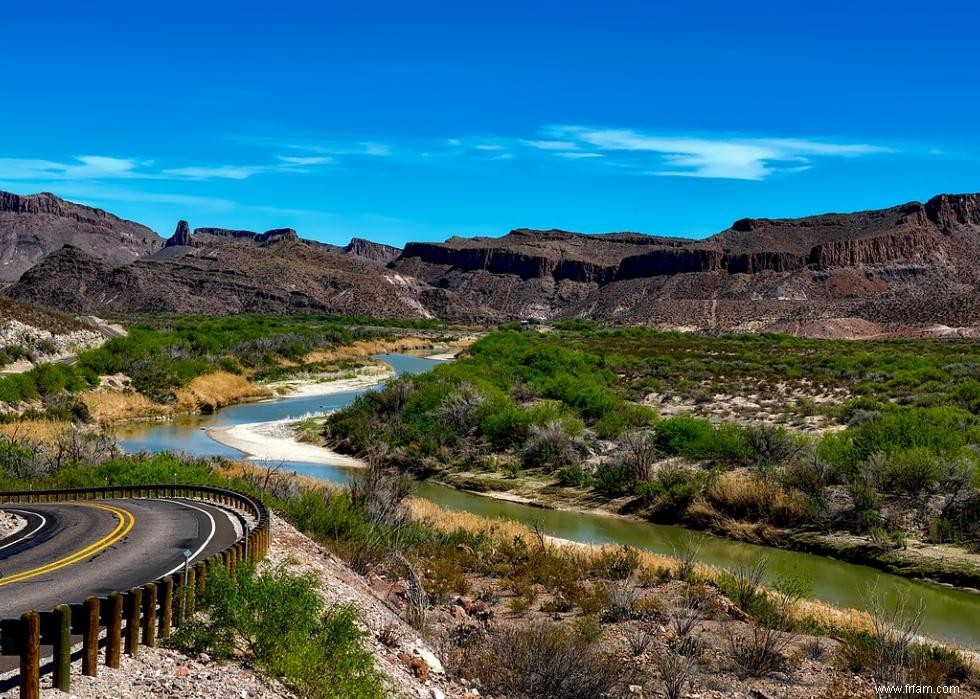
(280, 622)
(572, 476)
(673, 489)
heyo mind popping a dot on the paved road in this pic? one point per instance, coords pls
(72, 550)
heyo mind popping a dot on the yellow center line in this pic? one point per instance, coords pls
(124, 526)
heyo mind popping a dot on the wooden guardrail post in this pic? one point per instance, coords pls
(30, 655)
(178, 614)
(113, 634)
(191, 592)
(150, 615)
(90, 640)
(202, 578)
(135, 603)
(62, 647)
(166, 606)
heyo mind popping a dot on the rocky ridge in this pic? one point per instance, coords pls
(902, 270)
(34, 226)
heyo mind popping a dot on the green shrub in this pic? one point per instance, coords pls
(572, 476)
(611, 479)
(280, 623)
(673, 489)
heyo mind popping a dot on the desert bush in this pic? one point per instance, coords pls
(772, 445)
(687, 557)
(810, 475)
(572, 476)
(459, 408)
(914, 472)
(621, 602)
(673, 488)
(886, 649)
(637, 457)
(611, 478)
(547, 661)
(758, 651)
(744, 583)
(442, 577)
(550, 446)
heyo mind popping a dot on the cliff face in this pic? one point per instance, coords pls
(32, 227)
(838, 264)
(906, 246)
(375, 252)
(951, 211)
(183, 237)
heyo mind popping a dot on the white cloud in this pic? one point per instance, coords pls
(84, 167)
(576, 155)
(223, 172)
(551, 145)
(489, 146)
(306, 159)
(711, 156)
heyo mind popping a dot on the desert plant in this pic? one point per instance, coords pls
(621, 602)
(773, 445)
(687, 556)
(676, 672)
(550, 446)
(547, 661)
(638, 640)
(639, 453)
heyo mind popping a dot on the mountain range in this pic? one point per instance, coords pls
(906, 270)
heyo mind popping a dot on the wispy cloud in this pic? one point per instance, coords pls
(306, 159)
(221, 172)
(102, 167)
(84, 167)
(741, 158)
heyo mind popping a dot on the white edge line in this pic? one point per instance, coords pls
(29, 534)
(214, 528)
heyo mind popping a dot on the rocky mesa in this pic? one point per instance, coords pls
(905, 270)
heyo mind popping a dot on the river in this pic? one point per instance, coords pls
(952, 615)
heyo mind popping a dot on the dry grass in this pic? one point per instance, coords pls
(741, 495)
(214, 390)
(44, 431)
(107, 407)
(365, 348)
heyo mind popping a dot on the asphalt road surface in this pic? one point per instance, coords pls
(72, 550)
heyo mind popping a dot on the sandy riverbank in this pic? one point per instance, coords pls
(328, 384)
(275, 441)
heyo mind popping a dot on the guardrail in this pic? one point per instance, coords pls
(131, 618)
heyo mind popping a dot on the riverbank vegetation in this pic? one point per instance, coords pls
(178, 364)
(511, 611)
(880, 440)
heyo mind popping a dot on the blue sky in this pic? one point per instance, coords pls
(416, 121)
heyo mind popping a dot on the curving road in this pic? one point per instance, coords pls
(72, 550)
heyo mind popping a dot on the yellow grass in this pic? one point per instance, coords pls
(44, 431)
(739, 491)
(365, 348)
(107, 407)
(211, 391)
